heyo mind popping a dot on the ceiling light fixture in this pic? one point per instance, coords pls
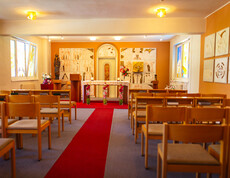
(92, 38)
(117, 38)
(161, 12)
(31, 15)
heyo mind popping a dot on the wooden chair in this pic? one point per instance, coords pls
(131, 91)
(189, 94)
(6, 145)
(65, 102)
(25, 126)
(140, 106)
(50, 107)
(140, 112)
(191, 157)
(155, 131)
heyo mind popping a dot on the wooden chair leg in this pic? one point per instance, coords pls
(158, 166)
(39, 146)
(146, 151)
(197, 175)
(19, 141)
(70, 116)
(142, 143)
(49, 137)
(13, 168)
(209, 175)
(132, 121)
(62, 121)
(135, 132)
(59, 126)
(75, 112)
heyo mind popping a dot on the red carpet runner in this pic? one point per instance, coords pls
(111, 105)
(86, 154)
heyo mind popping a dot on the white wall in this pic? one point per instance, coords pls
(5, 63)
(194, 73)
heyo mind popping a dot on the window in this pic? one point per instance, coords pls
(182, 59)
(23, 59)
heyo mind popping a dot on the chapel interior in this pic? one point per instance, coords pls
(115, 88)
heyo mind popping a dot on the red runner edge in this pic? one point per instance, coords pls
(86, 154)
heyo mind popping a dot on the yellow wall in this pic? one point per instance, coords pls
(162, 62)
(217, 21)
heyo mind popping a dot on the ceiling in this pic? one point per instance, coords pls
(134, 38)
(93, 9)
(52, 11)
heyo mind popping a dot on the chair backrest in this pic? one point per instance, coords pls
(194, 133)
(9, 110)
(165, 114)
(195, 115)
(190, 94)
(20, 99)
(209, 102)
(227, 103)
(214, 95)
(47, 100)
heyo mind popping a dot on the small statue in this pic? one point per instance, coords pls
(57, 66)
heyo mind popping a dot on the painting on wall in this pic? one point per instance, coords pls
(138, 66)
(141, 63)
(209, 45)
(222, 42)
(208, 70)
(220, 74)
(76, 61)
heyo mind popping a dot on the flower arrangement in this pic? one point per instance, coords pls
(121, 94)
(105, 92)
(88, 94)
(124, 71)
(46, 78)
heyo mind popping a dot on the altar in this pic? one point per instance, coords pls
(103, 83)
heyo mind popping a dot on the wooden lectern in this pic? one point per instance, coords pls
(155, 84)
(75, 87)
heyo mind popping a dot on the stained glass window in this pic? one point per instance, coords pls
(182, 60)
(23, 59)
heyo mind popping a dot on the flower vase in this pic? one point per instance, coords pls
(105, 101)
(121, 102)
(88, 100)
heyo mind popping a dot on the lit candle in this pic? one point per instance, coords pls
(118, 79)
(92, 78)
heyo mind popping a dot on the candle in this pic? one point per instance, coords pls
(92, 78)
(118, 79)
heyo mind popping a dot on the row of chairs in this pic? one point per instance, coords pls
(65, 97)
(141, 100)
(135, 93)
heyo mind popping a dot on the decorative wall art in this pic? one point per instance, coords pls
(141, 63)
(209, 45)
(208, 70)
(76, 61)
(222, 42)
(220, 74)
(229, 71)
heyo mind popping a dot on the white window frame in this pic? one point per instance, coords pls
(25, 78)
(175, 60)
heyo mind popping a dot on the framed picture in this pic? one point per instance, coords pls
(209, 45)
(229, 71)
(222, 42)
(208, 70)
(220, 74)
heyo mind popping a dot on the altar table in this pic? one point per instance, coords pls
(107, 82)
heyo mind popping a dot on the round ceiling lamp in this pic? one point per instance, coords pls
(161, 12)
(31, 15)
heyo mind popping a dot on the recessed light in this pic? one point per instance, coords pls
(117, 38)
(31, 15)
(92, 38)
(161, 12)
